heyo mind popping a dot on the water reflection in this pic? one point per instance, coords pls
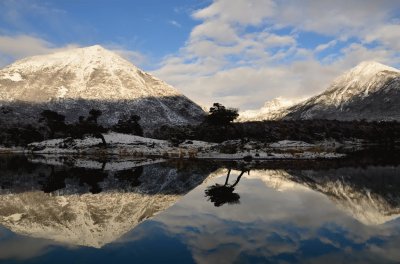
(282, 219)
(222, 194)
(298, 212)
(89, 207)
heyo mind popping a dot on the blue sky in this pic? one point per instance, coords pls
(155, 28)
(237, 52)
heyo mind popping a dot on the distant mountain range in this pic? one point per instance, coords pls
(370, 91)
(73, 82)
(272, 110)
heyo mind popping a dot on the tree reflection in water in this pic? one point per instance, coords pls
(222, 194)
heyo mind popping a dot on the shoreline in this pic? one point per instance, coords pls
(123, 145)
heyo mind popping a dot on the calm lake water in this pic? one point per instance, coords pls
(81, 210)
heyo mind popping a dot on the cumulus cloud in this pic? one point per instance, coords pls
(236, 11)
(20, 46)
(325, 46)
(24, 45)
(246, 52)
(134, 56)
(388, 35)
(342, 17)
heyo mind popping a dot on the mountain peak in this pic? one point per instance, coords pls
(368, 91)
(273, 109)
(95, 47)
(279, 102)
(362, 77)
(371, 67)
(84, 58)
(81, 79)
(95, 50)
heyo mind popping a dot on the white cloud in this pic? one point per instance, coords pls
(20, 46)
(388, 35)
(133, 56)
(237, 11)
(356, 53)
(325, 46)
(23, 45)
(215, 30)
(240, 56)
(341, 17)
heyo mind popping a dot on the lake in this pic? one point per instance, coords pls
(56, 209)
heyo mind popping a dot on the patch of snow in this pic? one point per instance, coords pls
(61, 92)
(13, 218)
(13, 76)
(197, 144)
(62, 201)
(291, 144)
(118, 138)
(135, 146)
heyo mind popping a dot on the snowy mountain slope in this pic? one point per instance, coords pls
(74, 81)
(369, 91)
(272, 110)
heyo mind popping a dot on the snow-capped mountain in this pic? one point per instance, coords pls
(74, 81)
(369, 91)
(272, 110)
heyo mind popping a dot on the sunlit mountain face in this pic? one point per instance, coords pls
(202, 212)
(275, 109)
(75, 81)
(369, 91)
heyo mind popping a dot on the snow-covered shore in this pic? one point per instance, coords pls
(139, 147)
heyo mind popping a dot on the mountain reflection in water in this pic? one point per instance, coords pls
(205, 212)
(89, 207)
